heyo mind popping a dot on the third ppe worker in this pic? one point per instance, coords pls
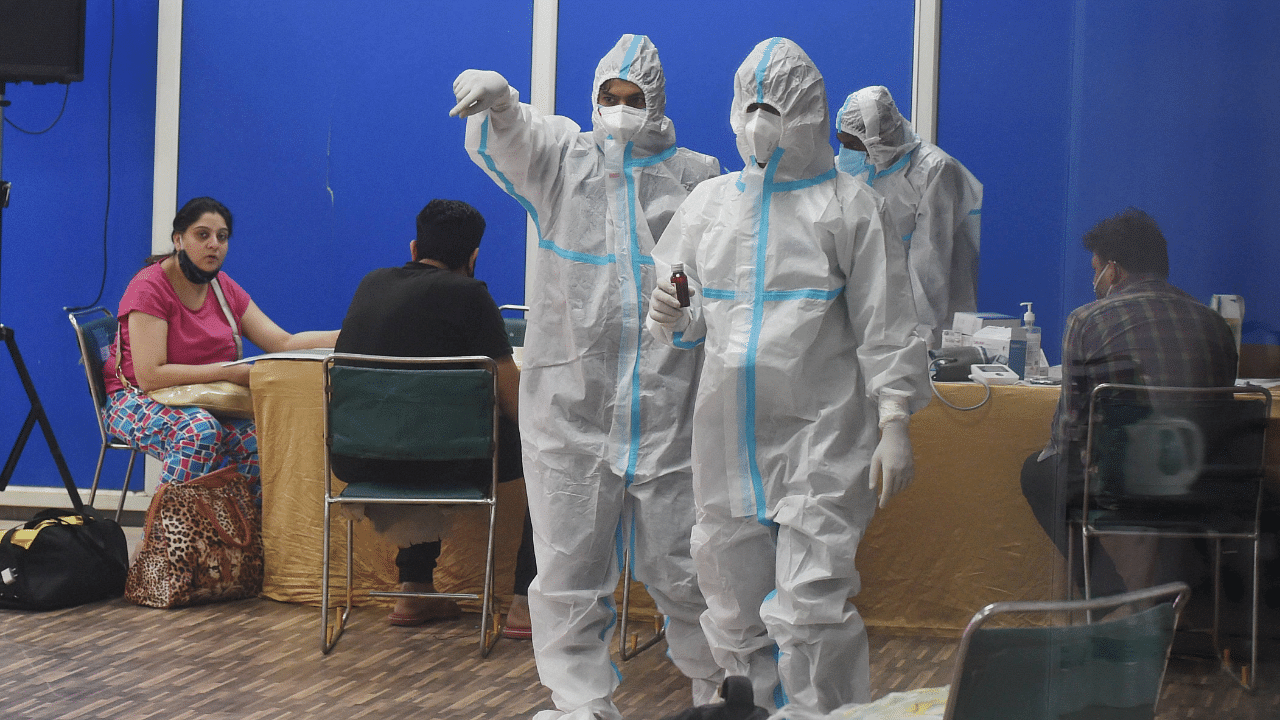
(933, 202)
(606, 408)
(812, 365)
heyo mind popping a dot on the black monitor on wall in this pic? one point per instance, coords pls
(42, 41)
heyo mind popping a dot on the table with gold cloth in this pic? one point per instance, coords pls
(960, 537)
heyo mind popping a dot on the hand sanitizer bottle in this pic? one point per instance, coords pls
(1034, 367)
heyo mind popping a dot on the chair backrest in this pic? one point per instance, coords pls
(95, 334)
(410, 408)
(1112, 669)
(1165, 446)
(515, 325)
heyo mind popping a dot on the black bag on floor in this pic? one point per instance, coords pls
(62, 558)
(739, 704)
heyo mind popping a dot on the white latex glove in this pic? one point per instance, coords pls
(892, 466)
(664, 307)
(477, 91)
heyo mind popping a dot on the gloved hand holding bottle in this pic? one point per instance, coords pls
(664, 306)
(479, 90)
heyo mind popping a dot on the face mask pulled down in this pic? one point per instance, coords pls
(192, 272)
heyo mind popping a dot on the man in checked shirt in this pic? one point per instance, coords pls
(1141, 330)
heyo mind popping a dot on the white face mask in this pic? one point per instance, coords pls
(622, 122)
(762, 134)
(1098, 278)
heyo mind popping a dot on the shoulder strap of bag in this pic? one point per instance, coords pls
(231, 319)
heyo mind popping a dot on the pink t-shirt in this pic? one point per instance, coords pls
(195, 337)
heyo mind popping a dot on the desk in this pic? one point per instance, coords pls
(959, 538)
(962, 536)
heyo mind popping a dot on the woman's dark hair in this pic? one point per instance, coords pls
(188, 215)
(196, 209)
(1133, 240)
(448, 231)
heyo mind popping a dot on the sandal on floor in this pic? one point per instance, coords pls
(440, 610)
(517, 633)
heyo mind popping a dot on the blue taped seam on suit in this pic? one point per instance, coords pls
(510, 189)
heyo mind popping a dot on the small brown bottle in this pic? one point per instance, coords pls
(681, 281)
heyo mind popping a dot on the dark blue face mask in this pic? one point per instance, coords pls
(192, 272)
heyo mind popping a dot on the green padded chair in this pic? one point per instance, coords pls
(95, 334)
(515, 325)
(409, 409)
(1178, 462)
(1107, 670)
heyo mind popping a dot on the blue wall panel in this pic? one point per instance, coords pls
(324, 127)
(1004, 111)
(1174, 114)
(54, 228)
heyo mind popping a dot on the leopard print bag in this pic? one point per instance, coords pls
(202, 543)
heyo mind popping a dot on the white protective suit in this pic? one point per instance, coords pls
(803, 305)
(605, 408)
(932, 200)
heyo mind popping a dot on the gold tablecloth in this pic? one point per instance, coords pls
(960, 537)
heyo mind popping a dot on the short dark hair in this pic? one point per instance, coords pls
(448, 231)
(1133, 241)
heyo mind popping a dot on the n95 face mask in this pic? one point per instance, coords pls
(622, 122)
(762, 134)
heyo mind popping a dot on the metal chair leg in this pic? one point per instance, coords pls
(97, 474)
(329, 639)
(629, 644)
(489, 632)
(124, 490)
(1243, 674)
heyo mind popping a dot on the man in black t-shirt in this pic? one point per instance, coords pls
(434, 307)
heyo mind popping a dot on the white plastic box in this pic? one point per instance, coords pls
(969, 323)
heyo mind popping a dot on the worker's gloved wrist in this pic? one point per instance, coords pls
(506, 101)
(893, 408)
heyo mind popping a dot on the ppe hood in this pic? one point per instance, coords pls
(635, 59)
(871, 115)
(778, 73)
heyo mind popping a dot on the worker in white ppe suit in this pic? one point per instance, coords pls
(803, 306)
(932, 200)
(605, 407)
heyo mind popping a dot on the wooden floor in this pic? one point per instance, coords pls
(260, 659)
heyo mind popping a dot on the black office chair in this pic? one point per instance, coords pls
(95, 334)
(409, 409)
(1177, 462)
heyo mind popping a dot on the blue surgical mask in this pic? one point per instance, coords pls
(853, 162)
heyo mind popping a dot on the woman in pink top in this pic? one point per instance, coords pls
(173, 331)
